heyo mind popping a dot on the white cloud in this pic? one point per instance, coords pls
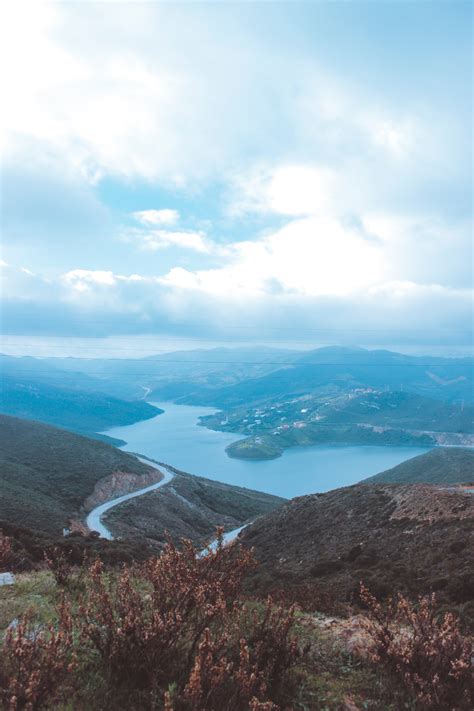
(395, 139)
(312, 256)
(232, 296)
(157, 217)
(152, 240)
(380, 256)
(112, 93)
(291, 190)
(84, 279)
(162, 239)
(409, 289)
(425, 249)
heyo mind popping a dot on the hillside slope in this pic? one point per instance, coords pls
(359, 416)
(80, 410)
(47, 473)
(442, 465)
(407, 538)
(189, 507)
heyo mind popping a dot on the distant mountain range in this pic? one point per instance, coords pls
(177, 372)
(227, 377)
(339, 369)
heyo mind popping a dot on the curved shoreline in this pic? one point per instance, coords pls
(93, 520)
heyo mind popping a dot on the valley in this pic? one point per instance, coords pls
(57, 483)
(33, 389)
(176, 437)
(315, 493)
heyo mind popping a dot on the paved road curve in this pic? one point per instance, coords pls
(94, 521)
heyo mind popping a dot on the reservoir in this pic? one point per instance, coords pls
(176, 438)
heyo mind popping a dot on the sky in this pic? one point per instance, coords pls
(291, 173)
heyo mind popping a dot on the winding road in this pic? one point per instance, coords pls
(94, 519)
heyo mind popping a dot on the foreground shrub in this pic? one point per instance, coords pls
(428, 655)
(35, 662)
(59, 564)
(174, 630)
(246, 666)
(142, 622)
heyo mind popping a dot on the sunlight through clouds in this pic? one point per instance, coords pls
(253, 155)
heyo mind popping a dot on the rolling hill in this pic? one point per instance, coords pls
(177, 373)
(72, 401)
(412, 538)
(340, 369)
(189, 507)
(442, 465)
(361, 416)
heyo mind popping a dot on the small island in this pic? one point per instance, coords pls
(253, 448)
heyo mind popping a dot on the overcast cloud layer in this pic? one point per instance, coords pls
(214, 170)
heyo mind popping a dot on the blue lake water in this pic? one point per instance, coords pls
(176, 439)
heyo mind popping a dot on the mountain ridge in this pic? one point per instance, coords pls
(440, 466)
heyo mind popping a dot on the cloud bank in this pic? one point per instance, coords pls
(278, 167)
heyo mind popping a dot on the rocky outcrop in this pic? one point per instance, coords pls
(119, 483)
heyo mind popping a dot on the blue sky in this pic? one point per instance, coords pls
(185, 173)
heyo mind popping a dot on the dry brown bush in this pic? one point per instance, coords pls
(172, 631)
(428, 654)
(35, 662)
(244, 666)
(175, 630)
(59, 564)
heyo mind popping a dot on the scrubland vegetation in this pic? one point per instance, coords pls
(178, 633)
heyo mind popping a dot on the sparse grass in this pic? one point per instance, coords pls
(36, 591)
